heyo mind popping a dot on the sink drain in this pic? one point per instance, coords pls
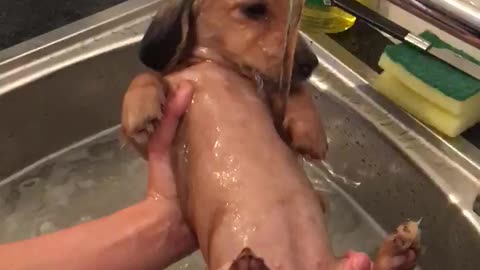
(476, 205)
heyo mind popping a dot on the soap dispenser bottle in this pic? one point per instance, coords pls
(321, 16)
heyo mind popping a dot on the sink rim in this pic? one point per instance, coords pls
(453, 164)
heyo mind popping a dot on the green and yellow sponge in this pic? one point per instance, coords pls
(434, 92)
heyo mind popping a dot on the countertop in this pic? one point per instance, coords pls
(21, 20)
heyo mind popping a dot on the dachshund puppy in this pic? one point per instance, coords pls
(240, 186)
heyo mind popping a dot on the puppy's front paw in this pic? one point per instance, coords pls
(308, 138)
(142, 110)
(304, 125)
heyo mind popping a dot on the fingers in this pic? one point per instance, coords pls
(182, 98)
(406, 261)
(355, 261)
(176, 105)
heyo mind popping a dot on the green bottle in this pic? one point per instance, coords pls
(320, 17)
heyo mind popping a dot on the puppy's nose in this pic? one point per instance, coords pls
(307, 68)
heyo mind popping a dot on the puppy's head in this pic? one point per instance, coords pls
(255, 35)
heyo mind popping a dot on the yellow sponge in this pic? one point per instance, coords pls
(423, 109)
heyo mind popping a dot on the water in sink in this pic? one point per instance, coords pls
(97, 177)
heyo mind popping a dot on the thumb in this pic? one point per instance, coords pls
(176, 105)
(161, 179)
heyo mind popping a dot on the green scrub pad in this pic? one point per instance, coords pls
(438, 82)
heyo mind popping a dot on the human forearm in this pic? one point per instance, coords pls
(148, 235)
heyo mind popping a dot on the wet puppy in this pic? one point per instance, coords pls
(240, 186)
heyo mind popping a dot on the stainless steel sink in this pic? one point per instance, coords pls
(61, 162)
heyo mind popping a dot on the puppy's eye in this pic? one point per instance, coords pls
(255, 11)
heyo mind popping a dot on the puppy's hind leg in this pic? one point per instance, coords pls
(143, 109)
(400, 249)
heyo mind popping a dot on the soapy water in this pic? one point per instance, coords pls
(97, 177)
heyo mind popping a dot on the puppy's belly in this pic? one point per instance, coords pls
(288, 234)
(241, 184)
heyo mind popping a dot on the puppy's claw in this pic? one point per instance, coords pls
(141, 138)
(150, 125)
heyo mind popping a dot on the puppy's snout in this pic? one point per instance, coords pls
(307, 68)
(305, 60)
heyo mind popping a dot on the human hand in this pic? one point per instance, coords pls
(161, 180)
(161, 188)
(151, 234)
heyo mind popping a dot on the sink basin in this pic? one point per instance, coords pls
(62, 162)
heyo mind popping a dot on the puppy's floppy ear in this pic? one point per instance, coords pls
(166, 38)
